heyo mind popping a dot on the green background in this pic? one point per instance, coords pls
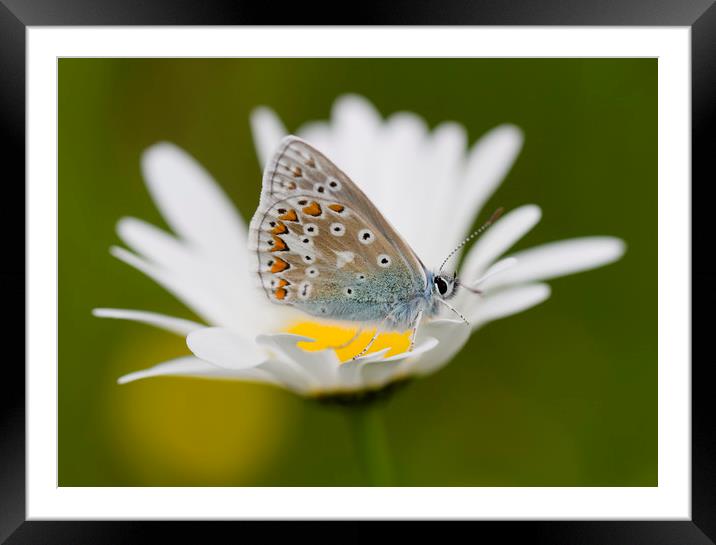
(562, 395)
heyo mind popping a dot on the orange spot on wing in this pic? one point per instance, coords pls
(297, 172)
(279, 265)
(338, 208)
(278, 245)
(281, 283)
(313, 209)
(280, 293)
(289, 216)
(280, 229)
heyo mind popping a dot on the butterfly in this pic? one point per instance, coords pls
(321, 246)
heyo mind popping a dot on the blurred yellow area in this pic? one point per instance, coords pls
(349, 345)
(174, 430)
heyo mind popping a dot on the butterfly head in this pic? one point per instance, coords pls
(445, 285)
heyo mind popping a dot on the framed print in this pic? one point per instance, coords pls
(360, 272)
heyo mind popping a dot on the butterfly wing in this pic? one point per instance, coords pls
(322, 246)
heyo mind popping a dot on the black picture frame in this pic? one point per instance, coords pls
(16, 15)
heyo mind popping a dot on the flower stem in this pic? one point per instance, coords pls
(367, 426)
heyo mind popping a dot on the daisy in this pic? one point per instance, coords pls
(242, 336)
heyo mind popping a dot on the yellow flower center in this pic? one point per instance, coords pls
(339, 338)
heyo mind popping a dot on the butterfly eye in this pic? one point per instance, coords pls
(441, 285)
(334, 184)
(384, 261)
(365, 236)
(337, 229)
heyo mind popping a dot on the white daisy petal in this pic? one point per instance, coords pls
(466, 298)
(224, 348)
(229, 286)
(498, 239)
(155, 244)
(487, 164)
(191, 202)
(197, 295)
(451, 335)
(378, 355)
(168, 323)
(374, 370)
(560, 258)
(320, 135)
(189, 366)
(422, 345)
(443, 169)
(507, 302)
(349, 372)
(321, 367)
(498, 268)
(267, 130)
(349, 376)
(289, 375)
(378, 374)
(399, 155)
(356, 124)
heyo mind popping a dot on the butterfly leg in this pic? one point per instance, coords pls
(416, 323)
(378, 331)
(370, 343)
(349, 341)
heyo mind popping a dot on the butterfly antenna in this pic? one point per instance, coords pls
(448, 305)
(493, 218)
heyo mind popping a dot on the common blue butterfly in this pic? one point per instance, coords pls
(321, 246)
